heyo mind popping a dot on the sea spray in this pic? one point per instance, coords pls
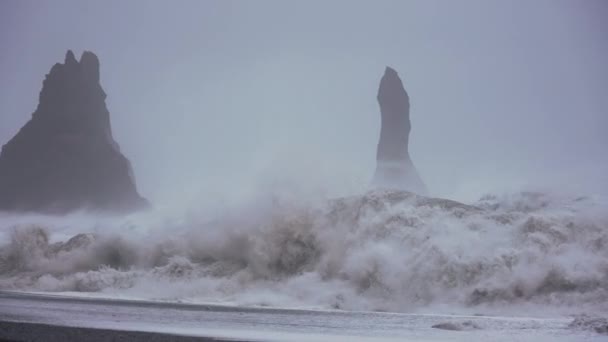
(382, 250)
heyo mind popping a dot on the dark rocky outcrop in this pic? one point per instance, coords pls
(395, 169)
(457, 326)
(65, 157)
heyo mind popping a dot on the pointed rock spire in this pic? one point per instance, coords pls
(65, 157)
(394, 167)
(90, 66)
(70, 59)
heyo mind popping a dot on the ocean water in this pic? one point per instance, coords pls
(526, 252)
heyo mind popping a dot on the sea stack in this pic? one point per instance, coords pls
(65, 158)
(394, 168)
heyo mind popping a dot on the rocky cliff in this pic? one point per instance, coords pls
(65, 157)
(395, 169)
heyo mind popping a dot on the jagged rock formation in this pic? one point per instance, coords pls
(65, 157)
(394, 169)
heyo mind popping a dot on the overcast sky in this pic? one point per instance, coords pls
(212, 94)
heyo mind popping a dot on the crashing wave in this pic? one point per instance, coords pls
(382, 250)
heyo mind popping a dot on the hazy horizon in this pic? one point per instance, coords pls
(209, 96)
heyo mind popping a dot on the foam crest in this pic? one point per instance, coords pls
(382, 250)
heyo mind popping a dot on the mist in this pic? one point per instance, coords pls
(216, 97)
(252, 129)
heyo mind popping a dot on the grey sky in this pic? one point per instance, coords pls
(209, 94)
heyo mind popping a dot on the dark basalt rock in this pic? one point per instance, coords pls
(65, 157)
(457, 326)
(395, 169)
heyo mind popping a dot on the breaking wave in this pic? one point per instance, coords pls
(382, 250)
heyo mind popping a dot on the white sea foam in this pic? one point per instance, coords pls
(381, 250)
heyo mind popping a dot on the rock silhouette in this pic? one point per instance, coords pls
(395, 169)
(65, 158)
